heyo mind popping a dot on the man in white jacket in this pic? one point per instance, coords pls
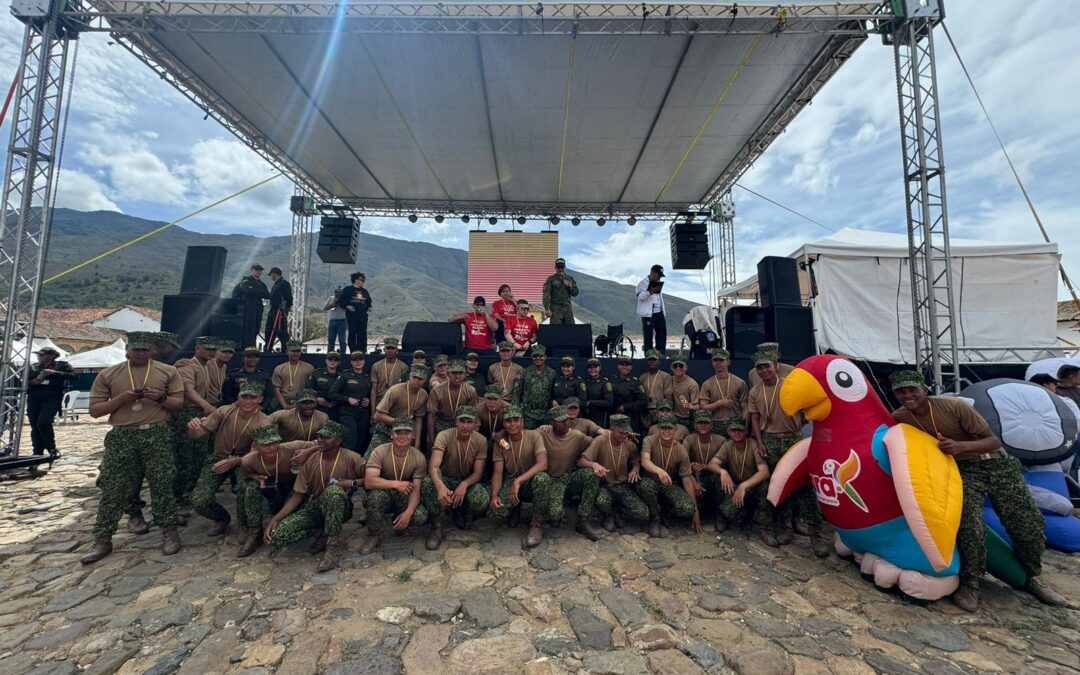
(650, 307)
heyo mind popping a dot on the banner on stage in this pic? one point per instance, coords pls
(522, 259)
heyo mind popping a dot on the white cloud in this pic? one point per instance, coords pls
(76, 190)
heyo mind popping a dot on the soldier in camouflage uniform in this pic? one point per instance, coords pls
(701, 447)
(559, 288)
(567, 384)
(519, 475)
(456, 468)
(138, 396)
(532, 391)
(986, 471)
(629, 396)
(599, 397)
(393, 477)
(419, 358)
(663, 460)
(191, 452)
(267, 470)
(249, 372)
(564, 448)
(743, 475)
(615, 460)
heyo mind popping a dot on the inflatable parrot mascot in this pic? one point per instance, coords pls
(893, 498)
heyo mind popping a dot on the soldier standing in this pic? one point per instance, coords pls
(686, 389)
(472, 372)
(614, 458)
(419, 358)
(567, 384)
(505, 372)
(599, 396)
(48, 379)
(782, 369)
(456, 468)
(301, 423)
(403, 400)
(291, 376)
(387, 372)
(352, 391)
(723, 395)
(190, 452)
(582, 424)
(657, 384)
(322, 379)
(217, 369)
(138, 396)
(533, 389)
(249, 372)
(442, 371)
(253, 290)
(628, 395)
(559, 288)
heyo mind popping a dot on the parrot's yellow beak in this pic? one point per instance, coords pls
(802, 391)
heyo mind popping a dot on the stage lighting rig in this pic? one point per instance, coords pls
(439, 218)
(600, 221)
(631, 221)
(554, 220)
(575, 221)
(465, 219)
(493, 220)
(412, 218)
(521, 220)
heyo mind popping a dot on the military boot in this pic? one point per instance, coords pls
(818, 543)
(535, 534)
(252, 542)
(768, 536)
(435, 538)
(370, 545)
(219, 527)
(967, 596)
(514, 519)
(620, 522)
(318, 543)
(799, 526)
(137, 524)
(609, 522)
(1044, 593)
(722, 523)
(170, 540)
(102, 548)
(589, 529)
(654, 527)
(333, 554)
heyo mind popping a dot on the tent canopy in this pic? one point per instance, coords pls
(102, 357)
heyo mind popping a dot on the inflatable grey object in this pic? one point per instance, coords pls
(1034, 425)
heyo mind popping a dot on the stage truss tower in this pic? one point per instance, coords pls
(303, 210)
(723, 262)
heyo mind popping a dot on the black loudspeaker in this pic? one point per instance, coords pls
(690, 246)
(204, 268)
(560, 340)
(339, 240)
(235, 319)
(793, 328)
(778, 282)
(744, 328)
(434, 337)
(187, 315)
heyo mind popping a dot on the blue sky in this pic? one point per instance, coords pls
(136, 145)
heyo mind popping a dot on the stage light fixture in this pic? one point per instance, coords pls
(439, 218)
(412, 218)
(554, 220)
(465, 219)
(521, 220)
(631, 221)
(575, 221)
(600, 221)
(492, 220)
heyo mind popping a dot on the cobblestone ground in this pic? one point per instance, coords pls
(626, 604)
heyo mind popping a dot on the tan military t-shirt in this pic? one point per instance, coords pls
(233, 431)
(215, 380)
(681, 431)
(444, 401)
(617, 458)
(702, 452)
(459, 455)
(563, 451)
(384, 376)
(504, 377)
(953, 419)
(782, 371)
(672, 459)
(520, 456)
(115, 380)
(291, 378)
(293, 427)
(193, 373)
(739, 463)
(413, 466)
(687, 389)
(657, 386)
(765, 401)
(437, 380)
(490, 422)
(400, 402)
(315, 474)
(716, 389)
(253, 464)
(586, 426)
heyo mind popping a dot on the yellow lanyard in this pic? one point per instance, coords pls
(236, 421)
(292, 372)
(461, 457)
(454, 402)
(616, 463)
(517, 453)
(408, 402)
(266, 472)
(491, 424)
(503, 375)
(670, 449)
(393, 458)
(741, 454)
(652, 386)
(209, 368)
(723, 390)
(933, 422)
(322, 477)
(703, 456)
(768, 405)
(146, 375)
(300, 422)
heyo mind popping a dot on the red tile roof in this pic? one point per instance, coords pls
(1066, 311)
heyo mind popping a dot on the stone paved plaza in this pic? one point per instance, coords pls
(626, 604)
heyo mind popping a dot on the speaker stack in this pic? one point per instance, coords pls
(690, 245)
(339, 240)
(786, 320)
(566, 340)
(199, 308)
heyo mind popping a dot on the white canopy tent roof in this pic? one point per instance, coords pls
(38, 343)
(102, 357)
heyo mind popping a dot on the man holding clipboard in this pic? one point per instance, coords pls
(650, 307)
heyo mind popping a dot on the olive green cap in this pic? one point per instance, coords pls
(702, 416)
(557, 414)
(624, 359)
(736, 423)
(620, 423)
(167, 338)
(266, 435)
(567, 360)
(538, 350)
(466, 412)
(493, 391)
(652, 354)
(402, 424)
(294, 345)
(227, 346)
(306, 395)
(571, 402)
(419, 354)
(419, 371)
(251, 389)
(141, 340)
(207, 341)
(665, 404)
(506, 345)
(390, 342)
(679, 358)
(252, 351)
(333, 354)
(512, 411)
(457, 367)
(906, 378)
(668, 421)
(441, 360)
(357, 356)
(761, 358)
(472, 356)
(593, 362)
(332, 429)
(773, 347)
(719, 354)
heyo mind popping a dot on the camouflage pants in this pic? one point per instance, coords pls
(623, 498)
(1001, 480)
(130, 454)
(380, 435)
(533, 491)
(190, 453)
(754, 505)
(678, 503)
(581, 482)
(562, 314)
(252, 502)
(535, 417)
(713, 490)
(326, 512)
(476, 497)
(802, 502)
(204, 496)
(383, 505)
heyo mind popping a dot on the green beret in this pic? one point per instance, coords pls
(493, 391)
(702, 416)
(762, 358)
(667, 422)
(557, 414)
(140, 340)
(652, 354)
(306, 395)
(252, 351)
(332, 429)
(266, 435)
(679, 358)
(166, 338)
(620, 423)
(906, 378)
(207, 341)
(402, 424)
(538, 350)
(466, 412)
(512, 411)
(719, 354)
(568, 360)
(419, 354)
(472, 356)
(419, 371)
(457, 366)
(333, 355)
(506, 345)
(593, 362)
(357, 356)
(736, 424)
(391, 342)
(294, 345)
(773, 347)
(226, 346)
(665, 404)
(441, 360)
(250, 388)
(571, 402)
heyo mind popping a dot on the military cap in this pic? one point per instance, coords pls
(457, 366)
(906, 378)
(419, 371)
(624, 359)
(538, 350)
(557, 414)
(472, 356)
(506, 345)
(167, 338)
(466, 412)
(702, 416)
(493, 391)
(356, 356)
(257, 266)
(294, 345)
(719, 354)
(441, 360)
(251, 389)
(306, 395)
(512, 411)
(419, 354)
(252, 351)
(560, 261)
(140, 340)
(761, 358)
(333, 355)
(332, 429)
(665, 404)
(620, 423)
(679, 358)
(667, 421)
(567, 360)
(390, 343)
(227, 346)
(773, 347)
(402, 424)
(207, 341)
(593, 362)
(736, 424)
(48, 350)
(266, 435)
(652, 354)
(571, 402)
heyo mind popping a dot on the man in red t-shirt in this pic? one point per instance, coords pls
(521, 329)
(479, 327)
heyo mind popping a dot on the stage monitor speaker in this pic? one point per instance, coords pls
(778, 281)
(235, 319)
(204, 268)
(744, 328)
(187, 315)
(793, 328)
(339, 240)
(689, 246)
(434, 337)
(560, 340)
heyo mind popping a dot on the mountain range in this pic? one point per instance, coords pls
(408, 280)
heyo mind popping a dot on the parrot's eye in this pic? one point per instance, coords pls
(845, 381)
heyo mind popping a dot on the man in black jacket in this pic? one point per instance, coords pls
(252, 289)
(281, 301)
(48, 379)
(357, 303)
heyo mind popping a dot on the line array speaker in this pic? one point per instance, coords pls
(204, 268)
(689, 246)
(339, 240)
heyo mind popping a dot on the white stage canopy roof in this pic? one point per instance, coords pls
(518, 109)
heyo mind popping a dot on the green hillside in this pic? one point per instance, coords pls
(416, 280)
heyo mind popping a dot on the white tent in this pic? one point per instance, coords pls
(1005, 293)
(38, 343)
(102, 357)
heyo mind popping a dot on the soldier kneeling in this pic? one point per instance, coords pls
(457, 464)
(744, 476)
(394, 474)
